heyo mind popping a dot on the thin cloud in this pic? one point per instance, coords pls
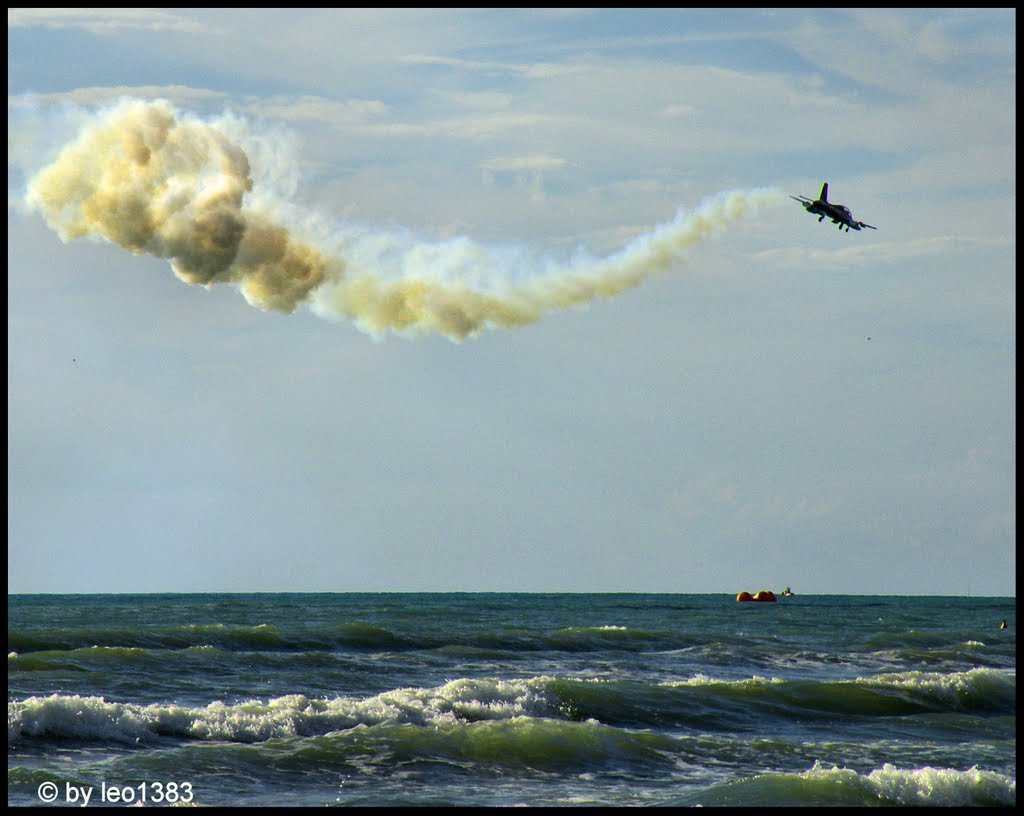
(338, 113)
(99, 96)
(512, 164)
(102, 21)
(880, 252)
(535, 70)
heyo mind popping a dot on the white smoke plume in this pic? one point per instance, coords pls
(153, 180)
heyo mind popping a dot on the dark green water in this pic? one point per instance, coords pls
(511, 699)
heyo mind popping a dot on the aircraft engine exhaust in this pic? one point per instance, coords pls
(152, 180)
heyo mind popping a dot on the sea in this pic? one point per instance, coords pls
(510, 699)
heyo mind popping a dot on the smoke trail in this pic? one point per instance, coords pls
(145, 177)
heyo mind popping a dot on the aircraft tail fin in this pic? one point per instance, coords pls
(824, 192)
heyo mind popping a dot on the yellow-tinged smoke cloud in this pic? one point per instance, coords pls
(151, 181)
(145, 177)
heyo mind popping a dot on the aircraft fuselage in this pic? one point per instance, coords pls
(837, 213)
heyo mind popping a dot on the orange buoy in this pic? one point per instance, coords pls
(763, 595)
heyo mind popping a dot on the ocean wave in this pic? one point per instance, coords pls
(76, 717)
(886, 786)
(120, 659)
(521, 742)
(698, 703)
(893, 694)
(979, 689)
(82, 659)
(227, 636)
(353, 636)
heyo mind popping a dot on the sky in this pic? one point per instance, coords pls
(511, 300)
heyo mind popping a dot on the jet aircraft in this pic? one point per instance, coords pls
(823, 208)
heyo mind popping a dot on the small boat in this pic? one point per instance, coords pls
(787, 593)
